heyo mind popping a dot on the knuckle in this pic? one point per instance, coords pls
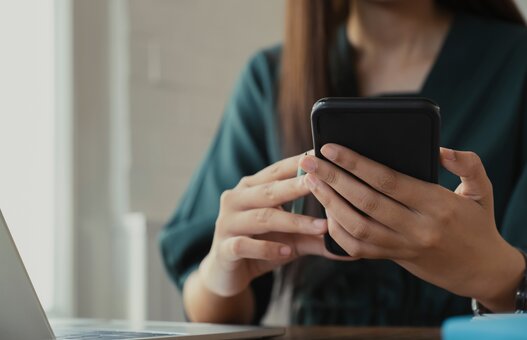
(368, 204)
(275, 168)
(324, 199)
(490, 187)
(296, 221)
(445, 216)
(266, 252)
(354, 249)
(361, 231)
(333, 230)
(244, 181)
(331, 177)
(298, 185)
(321, 195)
(474, 158)
(475, 162)
(225, 197)
(236, 246)
(269, 190)
(387, 181)
(430, 238)
(264, 215)
(220, 222)
(350, 164)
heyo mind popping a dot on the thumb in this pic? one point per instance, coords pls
(475, 183)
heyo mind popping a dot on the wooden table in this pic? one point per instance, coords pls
(312, 333)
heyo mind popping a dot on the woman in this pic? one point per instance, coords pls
(425, 249)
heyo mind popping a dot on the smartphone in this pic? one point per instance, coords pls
(399, 132)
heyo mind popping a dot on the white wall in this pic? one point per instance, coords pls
(27, 135)
(185, 56)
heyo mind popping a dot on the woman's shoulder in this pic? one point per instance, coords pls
(489, 47)
(258, 81)
(500, 35)
(263, 67)
(266, 59)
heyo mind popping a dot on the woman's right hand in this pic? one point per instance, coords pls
(254, 234)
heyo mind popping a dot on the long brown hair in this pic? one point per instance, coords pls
(309, 32)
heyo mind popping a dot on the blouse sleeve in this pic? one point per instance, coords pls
(514, 227)
(238, 149)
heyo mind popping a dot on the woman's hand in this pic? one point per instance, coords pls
(447, 238)
(254, 234)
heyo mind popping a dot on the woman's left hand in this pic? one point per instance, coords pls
(447, 238)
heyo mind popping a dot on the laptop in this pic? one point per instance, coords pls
(22, 315)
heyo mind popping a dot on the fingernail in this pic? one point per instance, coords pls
(329, 152)
(449, 154)
(311, 181)
(309, 165)
(285, 251)
(319, 224)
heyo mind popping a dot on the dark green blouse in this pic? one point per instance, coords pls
(479, 80)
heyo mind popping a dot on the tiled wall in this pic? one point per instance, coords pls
(184, 58)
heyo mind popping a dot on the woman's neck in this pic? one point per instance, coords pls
(396, 43)
(396, 26)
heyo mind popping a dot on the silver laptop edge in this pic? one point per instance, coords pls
(18, 300)
(22, 315)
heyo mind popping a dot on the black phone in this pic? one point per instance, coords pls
(399, 132)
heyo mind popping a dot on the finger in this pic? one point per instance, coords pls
(314, 245)
(364, 228)
(265, 220)
(475, 183)
(356, 248)
(271, 194)
(243, 247)
(403, 188)
(304, 244)
(381, 208)
(357, 225)
(286, 168)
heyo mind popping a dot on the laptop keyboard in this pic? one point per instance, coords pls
(112, 335)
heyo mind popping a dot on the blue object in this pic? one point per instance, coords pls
(496, 326)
